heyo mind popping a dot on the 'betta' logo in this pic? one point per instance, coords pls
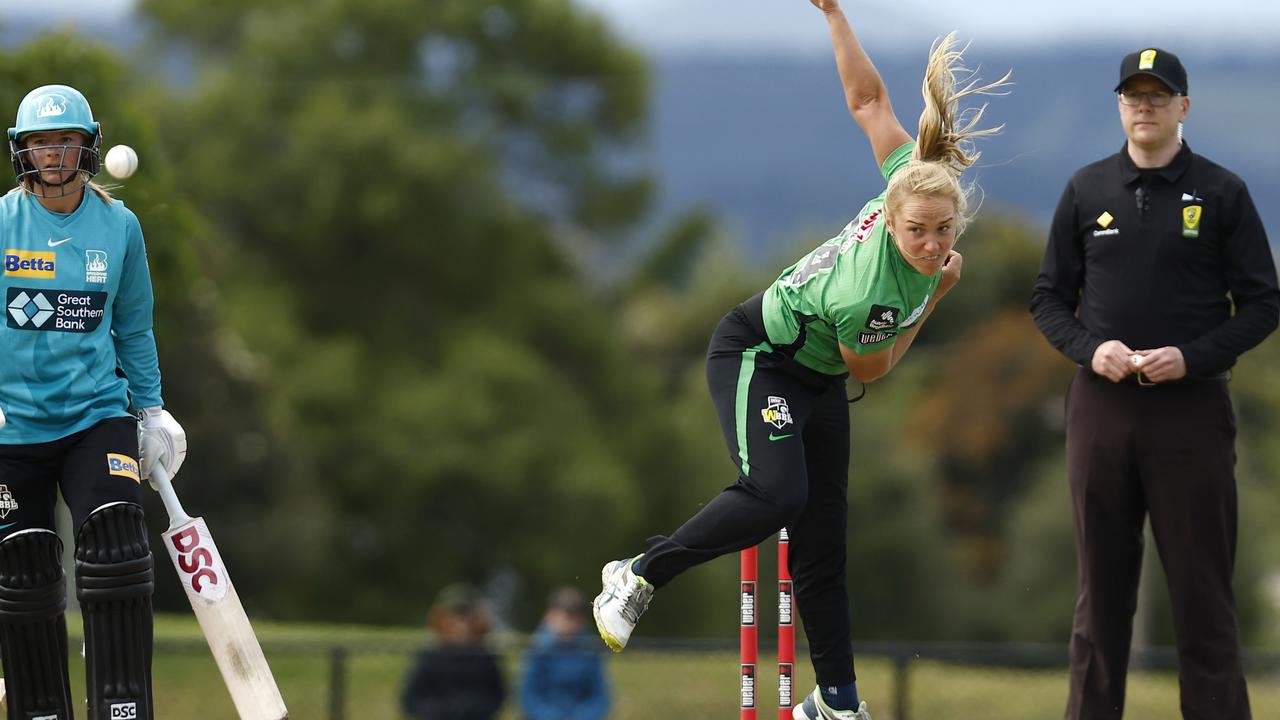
(51, 105)
(31, 264)
(196, 556)
(122, 465)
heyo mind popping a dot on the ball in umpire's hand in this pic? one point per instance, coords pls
(121, 161)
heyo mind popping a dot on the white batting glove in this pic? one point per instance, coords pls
(160, 440)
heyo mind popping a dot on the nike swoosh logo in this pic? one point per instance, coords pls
(780, 437)
(53, 243)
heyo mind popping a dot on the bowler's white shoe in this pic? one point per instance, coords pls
(621, 603)
(813, 708)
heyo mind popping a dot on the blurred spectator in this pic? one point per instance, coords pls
(564, 675)
(458, 677)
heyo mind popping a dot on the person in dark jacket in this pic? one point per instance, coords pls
(1156, 277)
(458, 677)
(564, 676)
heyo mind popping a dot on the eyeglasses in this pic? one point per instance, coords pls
(1157, 98)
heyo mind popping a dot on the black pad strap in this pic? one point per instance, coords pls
(33, 629)
(114, 582)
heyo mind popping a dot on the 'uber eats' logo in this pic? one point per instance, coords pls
(55, 310)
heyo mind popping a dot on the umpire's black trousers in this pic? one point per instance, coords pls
(787, 430)
(1166, 451)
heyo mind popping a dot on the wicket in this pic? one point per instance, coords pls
(748, 645)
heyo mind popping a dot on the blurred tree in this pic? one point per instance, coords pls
(406, 194)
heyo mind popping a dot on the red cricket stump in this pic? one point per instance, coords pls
(748, 632)
(747, 644)
(786, 629)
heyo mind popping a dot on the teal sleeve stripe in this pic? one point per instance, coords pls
(745, 372)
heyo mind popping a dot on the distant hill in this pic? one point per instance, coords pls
(769, 144)
(18, 25)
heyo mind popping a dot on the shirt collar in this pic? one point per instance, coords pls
(1130, 173)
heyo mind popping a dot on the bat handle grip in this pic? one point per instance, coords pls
(177, 516)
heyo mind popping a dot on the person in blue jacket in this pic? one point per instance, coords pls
(564, 675)
(78, 360)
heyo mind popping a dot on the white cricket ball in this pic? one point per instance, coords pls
(121, 161)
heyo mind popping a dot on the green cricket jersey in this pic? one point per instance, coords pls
(855, 289)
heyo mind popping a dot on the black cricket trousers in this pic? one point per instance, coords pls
(787, 430)
(1167, 451)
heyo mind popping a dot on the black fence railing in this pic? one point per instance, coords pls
(901, 657)
(360, 678)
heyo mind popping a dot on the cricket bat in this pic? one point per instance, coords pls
(217, 607)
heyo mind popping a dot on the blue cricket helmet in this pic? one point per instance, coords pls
(54, 107)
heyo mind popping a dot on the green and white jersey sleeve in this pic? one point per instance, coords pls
(854, 290)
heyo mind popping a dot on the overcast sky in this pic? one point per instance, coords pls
(795, 27)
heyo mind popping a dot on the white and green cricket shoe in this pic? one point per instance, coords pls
(814, 708)
(620, 604)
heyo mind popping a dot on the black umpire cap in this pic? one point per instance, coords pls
(1159, 64)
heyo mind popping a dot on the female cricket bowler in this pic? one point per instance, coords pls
(777, 365)
(78, 353)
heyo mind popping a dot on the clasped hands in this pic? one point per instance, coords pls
(1115, 361)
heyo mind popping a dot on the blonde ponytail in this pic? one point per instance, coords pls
(102, 191)
(946, 133)
(944, 144)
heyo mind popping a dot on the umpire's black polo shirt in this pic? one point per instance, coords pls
(1149, 257)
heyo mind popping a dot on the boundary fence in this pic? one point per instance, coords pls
(902, 655)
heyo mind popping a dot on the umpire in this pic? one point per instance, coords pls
(1164, 257)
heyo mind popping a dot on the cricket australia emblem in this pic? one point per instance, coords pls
(777, 413)
(7, 503)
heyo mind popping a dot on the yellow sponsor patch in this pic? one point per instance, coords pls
(1147, 60)
(30, 264)
(1105, 219)
(122, 465)
(1191, 215)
